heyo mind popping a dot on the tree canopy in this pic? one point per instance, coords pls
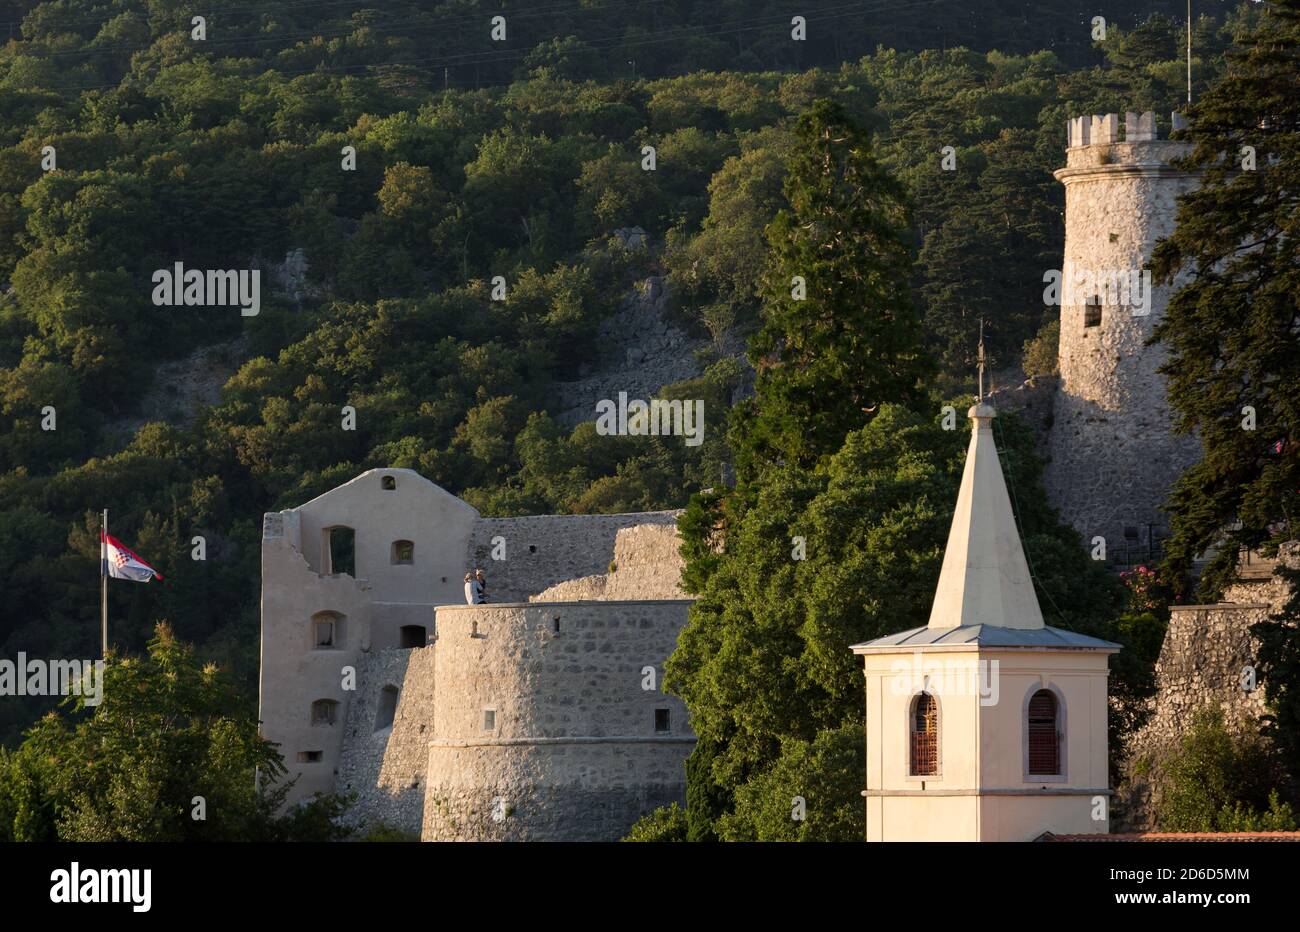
(839, 332)
(1233, 325)
(170, 753)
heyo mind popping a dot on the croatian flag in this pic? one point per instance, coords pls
(120, 562)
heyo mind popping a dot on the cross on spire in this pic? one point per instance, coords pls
(981, 362)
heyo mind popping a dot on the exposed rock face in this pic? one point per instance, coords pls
(290, 276)
(633, 237)
(182, 386)
(643, 353)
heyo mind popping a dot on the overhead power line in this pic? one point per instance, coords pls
(495, 56)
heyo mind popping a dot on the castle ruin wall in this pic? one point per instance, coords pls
(1206, 661)
(647, 565)
(386, 739)
(543, 550)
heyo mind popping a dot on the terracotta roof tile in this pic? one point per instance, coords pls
(1177, 836)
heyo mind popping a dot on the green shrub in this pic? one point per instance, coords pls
(667, 823)
(1220, 782)
(1041, 351)
(382, 831)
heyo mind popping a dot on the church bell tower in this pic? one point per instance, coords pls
(986, 724)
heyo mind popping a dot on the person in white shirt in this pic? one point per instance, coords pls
(473, 593)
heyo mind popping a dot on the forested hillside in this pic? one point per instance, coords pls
(473, 159)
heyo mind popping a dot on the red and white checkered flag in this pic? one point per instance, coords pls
(120, 562)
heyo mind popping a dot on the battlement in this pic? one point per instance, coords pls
(1103, 129)
(1096, 152)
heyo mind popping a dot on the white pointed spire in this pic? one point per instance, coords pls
(985, 579)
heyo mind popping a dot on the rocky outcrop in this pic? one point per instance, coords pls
(289, 277)
(643, 351)
(181, 386)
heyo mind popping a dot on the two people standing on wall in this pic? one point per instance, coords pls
(475, 586)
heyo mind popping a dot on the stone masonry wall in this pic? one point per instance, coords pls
(1033, 401)
(385, 767)
(543, 550)
(573, 749)
(1200, 666)
(1205, 650)
(647, 565)
(581, 755)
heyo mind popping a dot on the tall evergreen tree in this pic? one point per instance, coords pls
(1233, 330)
(840, 335)
(1005, 214)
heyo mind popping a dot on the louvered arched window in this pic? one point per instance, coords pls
(923, 727)
(1044, 734)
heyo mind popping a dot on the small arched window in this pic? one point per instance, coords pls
(403, 552)
(387, 710)
(923, 727)
(1044, 734)
(327, 631)
(324, 712)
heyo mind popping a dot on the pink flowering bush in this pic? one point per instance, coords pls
(1143, 584)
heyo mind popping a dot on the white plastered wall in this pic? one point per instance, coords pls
(981, 792)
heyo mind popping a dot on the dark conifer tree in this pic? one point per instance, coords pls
(1233, 330)
(840, 335)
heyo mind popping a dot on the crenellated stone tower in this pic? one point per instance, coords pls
(1114, 454)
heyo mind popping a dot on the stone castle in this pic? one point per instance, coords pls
(540, 715)
(535, 716)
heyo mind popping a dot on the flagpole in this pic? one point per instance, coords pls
(103, 583)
